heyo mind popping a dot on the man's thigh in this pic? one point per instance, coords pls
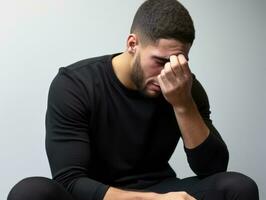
(220, 186)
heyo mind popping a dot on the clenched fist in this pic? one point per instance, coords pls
(176, 82)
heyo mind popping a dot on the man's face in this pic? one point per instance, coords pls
(150, 60)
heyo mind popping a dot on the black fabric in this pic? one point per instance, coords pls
(220, 186)
(100, 133)
(38, 188)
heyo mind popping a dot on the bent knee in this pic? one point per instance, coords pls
(37, 188)
(239, 185)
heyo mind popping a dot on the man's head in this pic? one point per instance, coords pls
(160, 28)
(168, 19)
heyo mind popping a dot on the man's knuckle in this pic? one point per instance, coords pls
(184, 62)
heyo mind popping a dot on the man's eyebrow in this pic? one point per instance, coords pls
(164, 59)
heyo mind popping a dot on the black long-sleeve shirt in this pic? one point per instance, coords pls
(100, 133)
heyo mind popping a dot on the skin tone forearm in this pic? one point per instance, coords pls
(193, 129)
(117, 194)
(176, 81)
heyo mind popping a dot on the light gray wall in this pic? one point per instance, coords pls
(37, 37)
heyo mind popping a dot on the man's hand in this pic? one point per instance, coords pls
(174, 196)
(176, 81)
(118, 194)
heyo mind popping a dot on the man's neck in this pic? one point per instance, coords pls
(122, 68)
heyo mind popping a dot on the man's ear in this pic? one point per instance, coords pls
(132, 43)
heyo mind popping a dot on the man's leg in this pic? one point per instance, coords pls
(220, 186)
(38, 188)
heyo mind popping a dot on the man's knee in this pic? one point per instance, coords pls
(37, 188)
(238, 186)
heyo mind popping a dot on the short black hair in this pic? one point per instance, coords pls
(168, 19)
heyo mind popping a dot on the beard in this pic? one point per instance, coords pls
(137, 74)
(138, 78)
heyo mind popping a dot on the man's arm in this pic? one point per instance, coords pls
(210, 156)
(193, 128)
(206, 151)
(67, 137)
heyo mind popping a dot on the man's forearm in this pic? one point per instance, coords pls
(193, 128)
(118, 194)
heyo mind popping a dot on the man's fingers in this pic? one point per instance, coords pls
(175, 65)
(169, 73)
(161, 82)
(187, 196)
(183, 63)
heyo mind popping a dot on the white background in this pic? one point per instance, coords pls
(37, 37)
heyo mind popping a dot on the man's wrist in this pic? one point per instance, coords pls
(189, 107)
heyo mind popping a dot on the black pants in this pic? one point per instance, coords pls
(221, 186)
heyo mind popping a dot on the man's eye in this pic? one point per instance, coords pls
(160, 63)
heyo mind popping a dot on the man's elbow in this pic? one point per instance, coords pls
(216, 165)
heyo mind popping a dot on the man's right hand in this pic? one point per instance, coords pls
(118, 194)
(174, 196)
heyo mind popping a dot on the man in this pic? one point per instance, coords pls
(114, 121)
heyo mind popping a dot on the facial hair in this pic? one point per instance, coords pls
(137, 77)
(137, 74)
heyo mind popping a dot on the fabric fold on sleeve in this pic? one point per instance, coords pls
(84, 186)
(210, 157)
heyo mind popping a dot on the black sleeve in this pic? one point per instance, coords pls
(67, 137)
(212, 155)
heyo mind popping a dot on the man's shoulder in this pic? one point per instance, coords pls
(88, 69)
(82, 76)
(88, 63)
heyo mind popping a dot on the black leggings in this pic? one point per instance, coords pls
(221, 186)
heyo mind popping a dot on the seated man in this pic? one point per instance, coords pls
(113, 122)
